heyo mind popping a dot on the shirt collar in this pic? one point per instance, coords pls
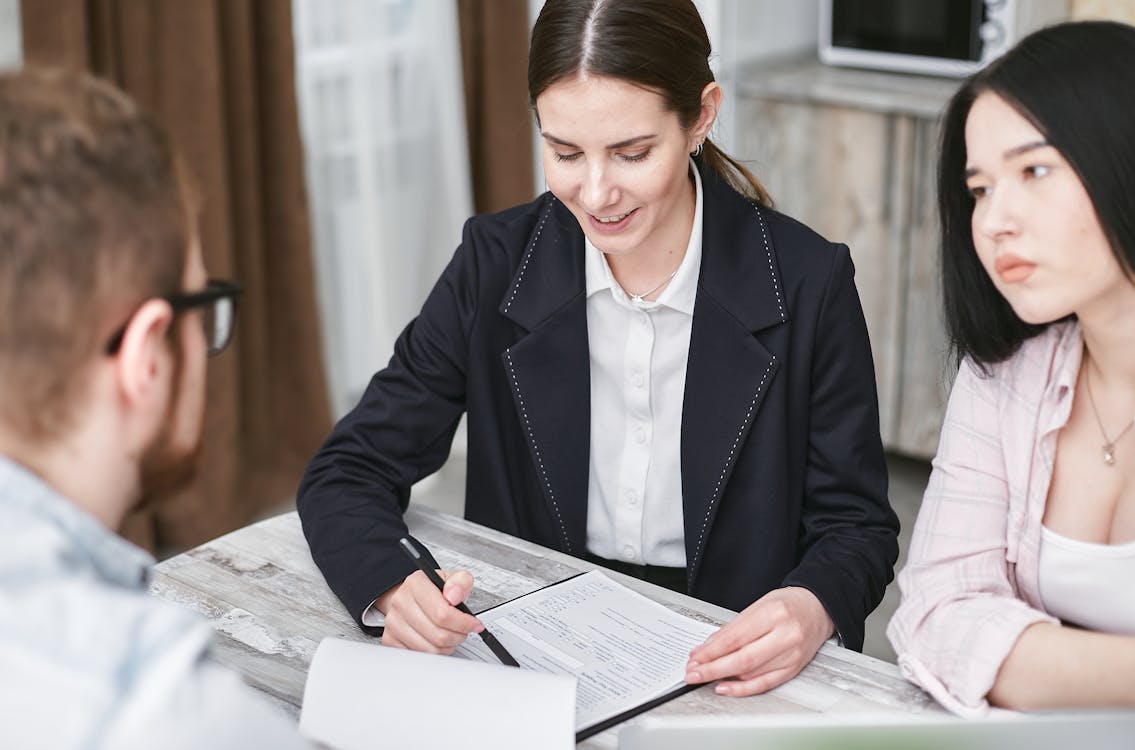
(681, 291)
(92, 545)
(1065, 371)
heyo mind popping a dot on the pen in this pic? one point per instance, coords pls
(411, 549)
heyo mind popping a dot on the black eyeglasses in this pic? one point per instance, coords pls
(218, 301)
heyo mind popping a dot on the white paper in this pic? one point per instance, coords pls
(361, 696)
(623, 648)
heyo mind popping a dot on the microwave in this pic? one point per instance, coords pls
(935, 37)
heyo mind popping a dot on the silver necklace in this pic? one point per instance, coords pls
(665, 281)
(1108, 444)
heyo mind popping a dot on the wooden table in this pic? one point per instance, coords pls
(271, 607)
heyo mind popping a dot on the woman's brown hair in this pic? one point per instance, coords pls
(661, 45)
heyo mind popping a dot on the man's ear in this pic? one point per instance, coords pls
(143, 357)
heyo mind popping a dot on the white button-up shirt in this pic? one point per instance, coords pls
(638, 379)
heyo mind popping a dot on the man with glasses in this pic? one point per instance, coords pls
(106, 319)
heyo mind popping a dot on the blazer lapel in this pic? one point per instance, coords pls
(548, 368)
(728, 372)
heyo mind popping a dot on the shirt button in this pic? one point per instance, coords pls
(640, 436)
(637, 380)
(644, 320)
(632, 497)
(628, 552)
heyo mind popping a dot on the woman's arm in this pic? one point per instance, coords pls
(355, 489)
(1054, 666)
(961, 612)
(848, 542)
(848, 537)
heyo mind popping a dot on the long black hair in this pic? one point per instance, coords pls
(661, 45)
(1075, 82)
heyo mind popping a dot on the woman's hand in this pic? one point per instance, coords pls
(764, 646)
(421, 618)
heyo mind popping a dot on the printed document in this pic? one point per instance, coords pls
(623, 648)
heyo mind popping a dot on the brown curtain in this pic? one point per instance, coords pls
(494, 53)
(220, 74)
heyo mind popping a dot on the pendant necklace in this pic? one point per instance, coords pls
(639, 297)
(1108, 444)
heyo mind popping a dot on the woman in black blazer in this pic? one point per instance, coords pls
(656, 368)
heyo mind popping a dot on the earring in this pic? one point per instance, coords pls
(697, 151)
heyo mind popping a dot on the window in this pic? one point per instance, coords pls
(383, 120)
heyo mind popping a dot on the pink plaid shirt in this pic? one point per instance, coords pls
(969, 588)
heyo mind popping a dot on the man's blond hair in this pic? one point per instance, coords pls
(94, 219)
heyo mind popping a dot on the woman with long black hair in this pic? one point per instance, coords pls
(1018, 586)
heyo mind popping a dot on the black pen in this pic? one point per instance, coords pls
(490, 640)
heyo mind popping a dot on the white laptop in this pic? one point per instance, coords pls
(1006, 731)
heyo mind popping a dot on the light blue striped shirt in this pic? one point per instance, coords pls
(88, 659)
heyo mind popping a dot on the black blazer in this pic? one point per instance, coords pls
(783, 476)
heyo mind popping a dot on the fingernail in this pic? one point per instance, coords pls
(721, 690)
(693, 677)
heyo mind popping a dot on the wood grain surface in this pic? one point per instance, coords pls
(271, 607)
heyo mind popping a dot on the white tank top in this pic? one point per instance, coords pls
(1088, 584)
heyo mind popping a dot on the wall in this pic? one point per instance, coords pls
(1119, 10)
(383, 122)
(747, 31)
